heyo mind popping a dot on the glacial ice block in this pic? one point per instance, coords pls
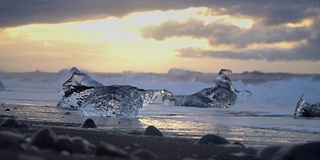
(221, 95)
(121, 101)
(79, 79)
(305, 109)
(1, 87)
(76, 89)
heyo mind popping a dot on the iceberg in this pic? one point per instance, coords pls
(304, 109)
(76, 89)
(91, 98)
(122, 101)
(221, 95)
(1, 87)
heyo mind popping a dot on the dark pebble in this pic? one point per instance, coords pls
(88, 123)
(7, 109)
(65, 143)
(67, 125)
(23, 126)
(43, 138)
(10, 123)
(141, 154)
(211, 139)
(6, 116)
(11, 140)
(67, 113)
(240, 144)
(308, 151)
(81, 145)
(107, 149)
(153, 131)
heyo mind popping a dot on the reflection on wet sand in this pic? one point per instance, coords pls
(169, 125)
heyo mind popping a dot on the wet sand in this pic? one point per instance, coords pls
(128, 137)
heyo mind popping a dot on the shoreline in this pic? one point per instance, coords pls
(177, 143)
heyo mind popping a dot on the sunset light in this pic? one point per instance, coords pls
(153, 38)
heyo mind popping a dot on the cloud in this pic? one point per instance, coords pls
(270, 28)
(309, 52)
(21, 12)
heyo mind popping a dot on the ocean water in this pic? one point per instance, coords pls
(271, 107)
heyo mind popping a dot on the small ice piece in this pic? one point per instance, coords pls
(1, 87)
(77, 89)
(222, 95)
(304, 109)
(122, 101)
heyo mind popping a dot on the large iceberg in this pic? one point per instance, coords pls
(221, 95)
(1, 87)
(91, 98)
(305, 109)
(77, 89)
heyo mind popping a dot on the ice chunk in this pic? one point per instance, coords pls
(77, 89)
(222, 95)
(1, 87)
(79, 79)
(121, 101)
(304, 109)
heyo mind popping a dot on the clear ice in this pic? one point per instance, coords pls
(304, 109)
(77, 89)
(121, 101)
(1, 87)
(222, 95)
(91, 98)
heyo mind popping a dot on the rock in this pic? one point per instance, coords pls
(10, 123)
(239, 144)
(23, 126)
(46, 139)
(88, 123)
(107, 149)
(308, 151)
(153, 131)
(141, 154)
(43, 138)
(81, 145)
(211, 139)
(11, 140)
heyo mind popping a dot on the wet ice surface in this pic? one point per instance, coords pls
(91, 98)
(221, 95)
(76, 89)
(305, 109)
(121, 101)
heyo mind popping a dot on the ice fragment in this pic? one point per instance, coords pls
(222, 95)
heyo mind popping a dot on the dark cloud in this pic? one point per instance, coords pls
(269, 28)
(20, 12)
(220, 32)
(309, 52)
(269, 15)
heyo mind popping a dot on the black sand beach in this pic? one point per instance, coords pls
(127, 138)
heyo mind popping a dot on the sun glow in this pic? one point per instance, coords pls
(303, 23)
(116, 43)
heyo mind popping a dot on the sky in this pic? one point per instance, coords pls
(157, 35)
